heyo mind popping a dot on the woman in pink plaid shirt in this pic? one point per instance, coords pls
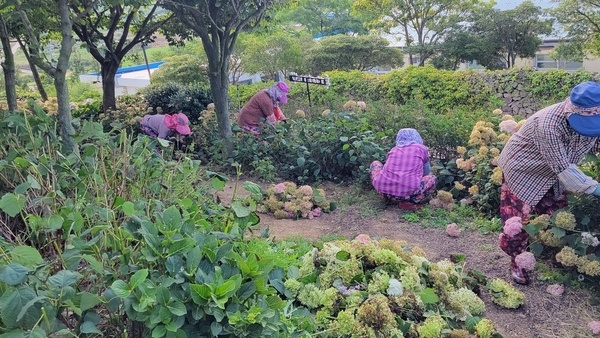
(406, 175)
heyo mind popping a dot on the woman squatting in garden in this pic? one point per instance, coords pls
(164, 126)
(405, 178)
(539, 165)
(264, 105)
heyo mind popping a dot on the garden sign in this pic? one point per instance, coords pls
(324, 81)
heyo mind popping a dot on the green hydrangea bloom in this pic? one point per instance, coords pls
(485, 328)
(411, 280)
(465, 303)
(565, 220)
(344, 323)
(432, 327)
(505, 294)
(293, 285)
(386, 256)
(310, 296)
(330, 297)
(380, 281)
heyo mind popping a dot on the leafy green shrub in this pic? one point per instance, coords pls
(82, 91)
(366, 287)
(159, 96)
(185, 69)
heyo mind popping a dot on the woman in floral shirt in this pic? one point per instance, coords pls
(539, 165)
(406, 176)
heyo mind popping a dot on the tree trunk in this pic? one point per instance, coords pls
(60, 76)
(219, 87)
(109, 70)
(8, 67)
(34, 72)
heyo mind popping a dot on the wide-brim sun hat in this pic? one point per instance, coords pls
(179, 122)
(583, 107)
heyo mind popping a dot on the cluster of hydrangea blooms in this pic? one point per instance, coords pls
(286, 200)
(568, 257)
(443, 199)
(362, 287)
(352, 105)
(505, 294)
(479, 162)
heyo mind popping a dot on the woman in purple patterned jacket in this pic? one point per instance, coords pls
(406, 175)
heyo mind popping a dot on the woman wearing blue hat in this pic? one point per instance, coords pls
(539, 165)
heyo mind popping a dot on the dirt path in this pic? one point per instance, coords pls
(542, 315)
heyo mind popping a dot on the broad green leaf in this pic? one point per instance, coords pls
(11, 304)
(94, 263)
(22, 188)
(25, 310)
(181, 246)
(201, 290)
(13, 274)
(88, 300)
(239, 209)
(128, 208)
(37, 332)
(342, 255)
(536, 248)
(428, 296)
(216, 328)
(171, 218)
(246, 291)
(193, 258)
(300, 161)
(89, 327)
(217, 184)
(225, 288)
(558, 232)
(164, 143)
(343, 138)
(54, 222)
(159, 331)
(120, 288)
(163, 295)
(177, 308)
(63, 278)
(138, 278)
(531, 229)
(34, 184)
(12, 204)
(26, 255)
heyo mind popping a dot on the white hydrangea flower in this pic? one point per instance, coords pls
(395, 288)
(589, 239)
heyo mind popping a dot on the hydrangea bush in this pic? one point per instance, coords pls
(384, 288)
(478, 178)
(287, 200)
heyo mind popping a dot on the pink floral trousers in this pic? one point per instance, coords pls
(511, 206)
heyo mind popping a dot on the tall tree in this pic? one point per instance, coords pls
(8, 66)
(271, 54)
(580, 23)
(323, 17)
(218, 24)
(57, 69)
(111, 29)
(422, 23)
(345, 52)
(516, 31)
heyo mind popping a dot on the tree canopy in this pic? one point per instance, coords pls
(343, 52)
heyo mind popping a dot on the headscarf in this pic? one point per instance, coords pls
(278, 92)
(407, 136)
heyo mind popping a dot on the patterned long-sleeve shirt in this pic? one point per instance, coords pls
(545, 148)
(402, 171)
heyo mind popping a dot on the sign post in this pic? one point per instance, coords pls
(323, 81)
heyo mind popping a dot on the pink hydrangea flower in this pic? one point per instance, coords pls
(594, 326)
(279, 188)
(526, 261)
(363, 239)
(509, 126)
(452, 230)
(555, 289)
(317, 212)
(513, 226)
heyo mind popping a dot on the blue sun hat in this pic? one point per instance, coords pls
(583, 106)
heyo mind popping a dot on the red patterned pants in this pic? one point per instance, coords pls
(511, 206)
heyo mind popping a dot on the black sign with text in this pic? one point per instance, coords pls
(309, 79)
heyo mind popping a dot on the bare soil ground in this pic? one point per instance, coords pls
(542, 315)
